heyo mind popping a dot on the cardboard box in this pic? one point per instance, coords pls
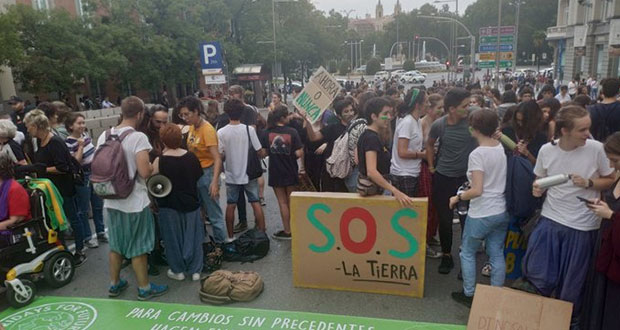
(504, 308)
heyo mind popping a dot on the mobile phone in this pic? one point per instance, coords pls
(587, 201)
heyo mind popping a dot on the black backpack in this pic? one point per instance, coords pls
(251, 245)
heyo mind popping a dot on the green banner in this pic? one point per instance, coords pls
(491, 64)
(493, 39)
(83, 313)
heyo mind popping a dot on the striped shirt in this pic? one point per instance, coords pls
(89, 148)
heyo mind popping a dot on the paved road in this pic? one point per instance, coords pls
(91, 280)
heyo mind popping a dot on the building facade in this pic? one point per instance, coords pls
(586, 39)
(367, 25)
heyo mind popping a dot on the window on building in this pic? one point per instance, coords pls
(41, 4)
(599, 61)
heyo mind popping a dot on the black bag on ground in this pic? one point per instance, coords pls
(251, 245)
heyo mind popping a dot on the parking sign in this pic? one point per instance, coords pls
(211, 56)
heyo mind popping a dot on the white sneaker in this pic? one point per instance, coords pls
(92, 244)
(196, 277)
(174, 276)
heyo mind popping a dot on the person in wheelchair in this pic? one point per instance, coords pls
(14, 201)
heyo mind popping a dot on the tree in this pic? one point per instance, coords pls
(409, 65)
(372, 66)
(345, 67)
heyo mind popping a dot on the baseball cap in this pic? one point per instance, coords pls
(15, 99)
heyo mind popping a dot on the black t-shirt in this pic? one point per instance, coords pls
(330, 134)
(370, 141)
(282, 142)
(605, 120)
(18, 120)
(56, 154)
(183, 172)
(532, 146)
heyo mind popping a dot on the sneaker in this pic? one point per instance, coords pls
(102, 237)
(446, 264)
(262, 201)
(433, 242)
(175, 276)
(281, 235)
(79, 258)
(241, 226)
(154, 291)
(115, 290)
(486, 270)
(196, 277)
(432, 253)
(92, 244)
(461, 298)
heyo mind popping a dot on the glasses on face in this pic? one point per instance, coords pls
(184, 115)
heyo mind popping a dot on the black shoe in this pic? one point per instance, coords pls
(78, 259)
(241, 226)
(446, 264)
(281, 235)
(522, 284)
(153, 271)
(461, 298)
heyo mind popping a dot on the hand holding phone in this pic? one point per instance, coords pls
(585, 200)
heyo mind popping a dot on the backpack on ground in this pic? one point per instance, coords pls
(251, 245)
(224, 287)
(212, 256)
(110, 172)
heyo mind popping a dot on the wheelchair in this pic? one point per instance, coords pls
(31, 251)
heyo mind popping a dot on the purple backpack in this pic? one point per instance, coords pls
(110, 173)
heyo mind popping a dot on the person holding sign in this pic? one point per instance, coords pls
(373, 154)
(329, 134)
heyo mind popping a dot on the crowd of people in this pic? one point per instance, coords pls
(441, 142)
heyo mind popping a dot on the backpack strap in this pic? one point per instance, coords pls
(109, 134)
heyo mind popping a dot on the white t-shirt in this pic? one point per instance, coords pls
(233, 143)
(562, 99)
(572, 88)
(139, 197)
(491, 161)
(19, 138)
(411, 129)
(561, 204)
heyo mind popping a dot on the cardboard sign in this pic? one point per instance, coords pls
(344, 241)
(84, 313)
(317, 95)
(504, 308)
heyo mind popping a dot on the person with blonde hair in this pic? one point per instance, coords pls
(53, 152)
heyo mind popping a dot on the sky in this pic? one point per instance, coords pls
(363, 7)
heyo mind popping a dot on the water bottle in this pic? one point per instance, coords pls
(462, 207)
(554, 180)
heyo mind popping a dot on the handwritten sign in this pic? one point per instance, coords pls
(317, 95)
(347, 242)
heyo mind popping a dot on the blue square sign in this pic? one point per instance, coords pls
(211, 55)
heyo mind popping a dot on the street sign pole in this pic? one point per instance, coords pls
(499, 36)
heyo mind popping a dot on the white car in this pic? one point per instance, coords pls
(412, 77)
(382, 75)
(397, 73)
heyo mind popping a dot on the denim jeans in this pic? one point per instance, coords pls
(212, 206)
(69, 206)
(492, 230)
(85, 200)
(351, 180)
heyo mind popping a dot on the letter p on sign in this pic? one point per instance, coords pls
(209, 52)
(211, 55)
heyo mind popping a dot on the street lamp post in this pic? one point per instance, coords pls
(517, 4)
(453, 35)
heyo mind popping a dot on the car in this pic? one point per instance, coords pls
(413, 77)
(361, 69)
(397, 73)
(382, 75)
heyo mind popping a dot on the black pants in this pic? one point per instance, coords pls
(445, 187)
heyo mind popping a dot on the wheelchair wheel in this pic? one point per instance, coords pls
(59, 269)
(16, 300)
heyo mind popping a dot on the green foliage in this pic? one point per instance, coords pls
(344, 68)
(332, 66)
(372, 66)
(409, 65)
